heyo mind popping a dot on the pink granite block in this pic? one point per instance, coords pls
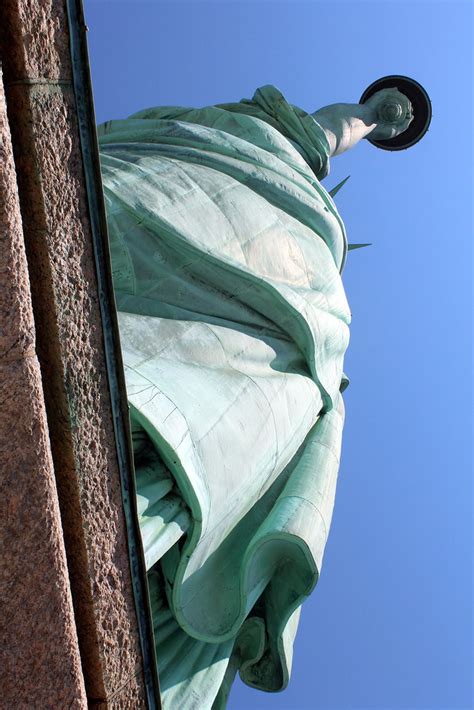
(39, 656)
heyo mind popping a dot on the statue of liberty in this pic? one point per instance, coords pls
(227, 254)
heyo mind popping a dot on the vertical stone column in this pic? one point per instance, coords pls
(39, 654)
(43, 119)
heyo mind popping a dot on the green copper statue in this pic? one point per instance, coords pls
(227, 254)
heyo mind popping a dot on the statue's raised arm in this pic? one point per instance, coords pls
(393, 113)
(387, 114)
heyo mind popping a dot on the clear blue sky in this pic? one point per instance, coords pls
(389, 625)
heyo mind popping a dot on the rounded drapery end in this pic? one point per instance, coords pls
(420, 102)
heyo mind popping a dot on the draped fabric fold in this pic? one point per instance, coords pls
(227, 253)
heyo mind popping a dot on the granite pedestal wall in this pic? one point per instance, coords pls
(73, 432)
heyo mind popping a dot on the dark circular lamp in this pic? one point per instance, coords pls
(420, 102)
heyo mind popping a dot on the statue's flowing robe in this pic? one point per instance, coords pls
(227, 253)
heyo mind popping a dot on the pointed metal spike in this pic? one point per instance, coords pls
(336, 189)
(358, 246)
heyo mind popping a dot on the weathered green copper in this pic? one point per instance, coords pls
(227, 253)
